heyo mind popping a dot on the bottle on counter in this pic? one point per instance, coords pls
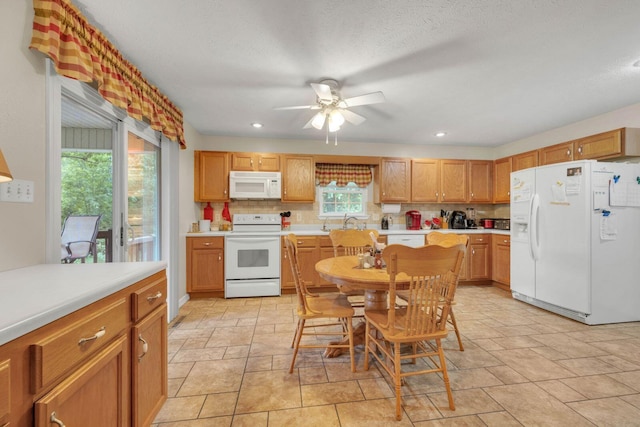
(378, 260)
(385, 223)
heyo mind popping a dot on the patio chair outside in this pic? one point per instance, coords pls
(78, 238)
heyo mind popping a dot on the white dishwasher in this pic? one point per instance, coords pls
(413, 240)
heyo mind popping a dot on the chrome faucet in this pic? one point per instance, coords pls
(324, 224)
(346, 221)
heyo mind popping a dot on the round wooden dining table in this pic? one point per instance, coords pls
(345, 272)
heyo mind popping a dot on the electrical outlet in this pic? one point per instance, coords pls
(376, 217)
(298, 216)
(18, 190)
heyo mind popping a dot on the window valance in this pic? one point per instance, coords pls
(343, 174)
(83, 53)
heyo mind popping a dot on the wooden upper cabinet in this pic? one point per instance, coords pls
(211, 176)
(524, 160)
(5, 391)
(425, 180)
(480, 181)
(255, 162)
(298, 179)
(600, 146)
(393, 181)
(453, 176)
(556, 153)
(501, 180)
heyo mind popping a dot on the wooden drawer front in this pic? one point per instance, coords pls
(74, 343)
(145, 300)
(5, 392)
(478, 238)
(207, 242)
(93, 395)
(306, 241)
(325, 242)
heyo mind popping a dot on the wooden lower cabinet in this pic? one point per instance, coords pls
(479, 258)
(117, 380)
(501, 256)
(5, 392)
(94, 395)
(205, 266)
(149, 366)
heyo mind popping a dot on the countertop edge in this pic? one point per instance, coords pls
(35, 296)
(317, 231)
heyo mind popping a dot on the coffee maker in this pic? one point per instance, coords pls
(458, 219)
(413, 220)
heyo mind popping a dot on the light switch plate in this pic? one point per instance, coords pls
(18, 190)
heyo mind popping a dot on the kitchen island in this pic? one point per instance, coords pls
(83, 344)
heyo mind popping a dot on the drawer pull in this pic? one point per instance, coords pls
(152, 298)
(55, 420)
(98, 334)
(145, 347)
(207, 243)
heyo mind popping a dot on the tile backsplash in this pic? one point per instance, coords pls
(307, 214)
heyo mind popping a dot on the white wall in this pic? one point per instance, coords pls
(22, 136)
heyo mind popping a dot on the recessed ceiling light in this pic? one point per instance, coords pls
(256, 125)
(440, 134)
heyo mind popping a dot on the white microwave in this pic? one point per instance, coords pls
(254, 185)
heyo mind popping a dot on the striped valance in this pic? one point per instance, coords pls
(81, 52)
(343, 174)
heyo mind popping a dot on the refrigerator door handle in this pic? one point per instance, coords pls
(534, 245)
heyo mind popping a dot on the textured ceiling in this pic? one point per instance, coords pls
(486, 72)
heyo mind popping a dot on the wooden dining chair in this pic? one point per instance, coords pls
(352, 242)
(432, 270)
(333, 313)
(446, 240)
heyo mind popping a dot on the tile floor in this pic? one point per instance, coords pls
(229, 359)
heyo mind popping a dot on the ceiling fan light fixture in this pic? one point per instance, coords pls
(318, 120)
(336, 118)
(257, 125)
(440, 134)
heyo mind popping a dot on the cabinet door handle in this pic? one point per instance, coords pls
(472, 194)
(568, 152)
(442, 196)
(145, 347)
(152, 298)
(473, 251)
(508, 193)
(219, 257)
(505, 241)
(97, 335)
(251, 161)
(580, 150)
(55, 420)
(436, 194)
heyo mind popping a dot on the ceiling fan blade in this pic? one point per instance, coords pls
(369, 98)
(298, 107)
(308, 125)
(323, 91)
(352, 117)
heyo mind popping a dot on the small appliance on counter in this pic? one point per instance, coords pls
(486, 222)
(502, 224)
(386, 221)
(414, 219)
(458, 219)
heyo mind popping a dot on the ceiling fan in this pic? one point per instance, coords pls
(333, 108)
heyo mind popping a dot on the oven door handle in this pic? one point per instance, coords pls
(251, 239)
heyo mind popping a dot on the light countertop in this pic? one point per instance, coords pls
(34, 296)
(316, 230)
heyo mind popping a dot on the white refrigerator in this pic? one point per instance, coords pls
(575, 240)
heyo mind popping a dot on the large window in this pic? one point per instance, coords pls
(336, 202)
